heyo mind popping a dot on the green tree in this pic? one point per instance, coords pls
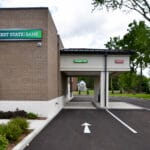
(137, 38)
(140, 6)
(125, 82)
(89, 81)
(114, 43)
(113, 82)
(130, 81)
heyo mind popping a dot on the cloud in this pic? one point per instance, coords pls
(75, 21)
(77, 25)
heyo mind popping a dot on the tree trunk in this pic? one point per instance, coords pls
(141, 77)
(112, 88)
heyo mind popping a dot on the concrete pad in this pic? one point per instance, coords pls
(3, 121)
(79, 105)
(122, 105)
(35, 124)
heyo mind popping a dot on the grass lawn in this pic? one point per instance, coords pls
(137, 95)
(91, 93)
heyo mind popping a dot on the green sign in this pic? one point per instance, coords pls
(80, 61)
(20, 34)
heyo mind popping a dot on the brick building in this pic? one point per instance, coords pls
(29, 67)
(35, 69)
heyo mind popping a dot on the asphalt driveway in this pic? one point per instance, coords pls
(66, 133)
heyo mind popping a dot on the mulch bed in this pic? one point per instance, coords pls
(13, 144)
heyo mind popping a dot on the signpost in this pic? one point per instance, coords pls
(20, 34)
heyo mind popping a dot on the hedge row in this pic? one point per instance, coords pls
(3, 142)
(11, 131)
(17, 113)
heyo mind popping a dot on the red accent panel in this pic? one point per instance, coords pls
(119, 61)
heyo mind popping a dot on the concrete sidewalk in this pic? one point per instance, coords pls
(135, 101)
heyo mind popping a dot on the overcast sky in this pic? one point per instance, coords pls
(77, 25)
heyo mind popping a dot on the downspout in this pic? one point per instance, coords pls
(70, 86)
(105, 71)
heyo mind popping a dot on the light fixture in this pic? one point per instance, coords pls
(39, 44)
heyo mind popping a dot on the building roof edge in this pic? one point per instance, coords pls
(95, 51)
(19, 8)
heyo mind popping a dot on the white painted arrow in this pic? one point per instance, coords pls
(86, 127)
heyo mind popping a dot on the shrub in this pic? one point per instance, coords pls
(20, 113)
(88, 92)
(31, 115)
(13, 132)
(3, 142)
(21, 122)
(17, 113)
(13, 114)
(5, 115)
(3, 129)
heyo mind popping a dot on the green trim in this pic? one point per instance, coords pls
(80, 61)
